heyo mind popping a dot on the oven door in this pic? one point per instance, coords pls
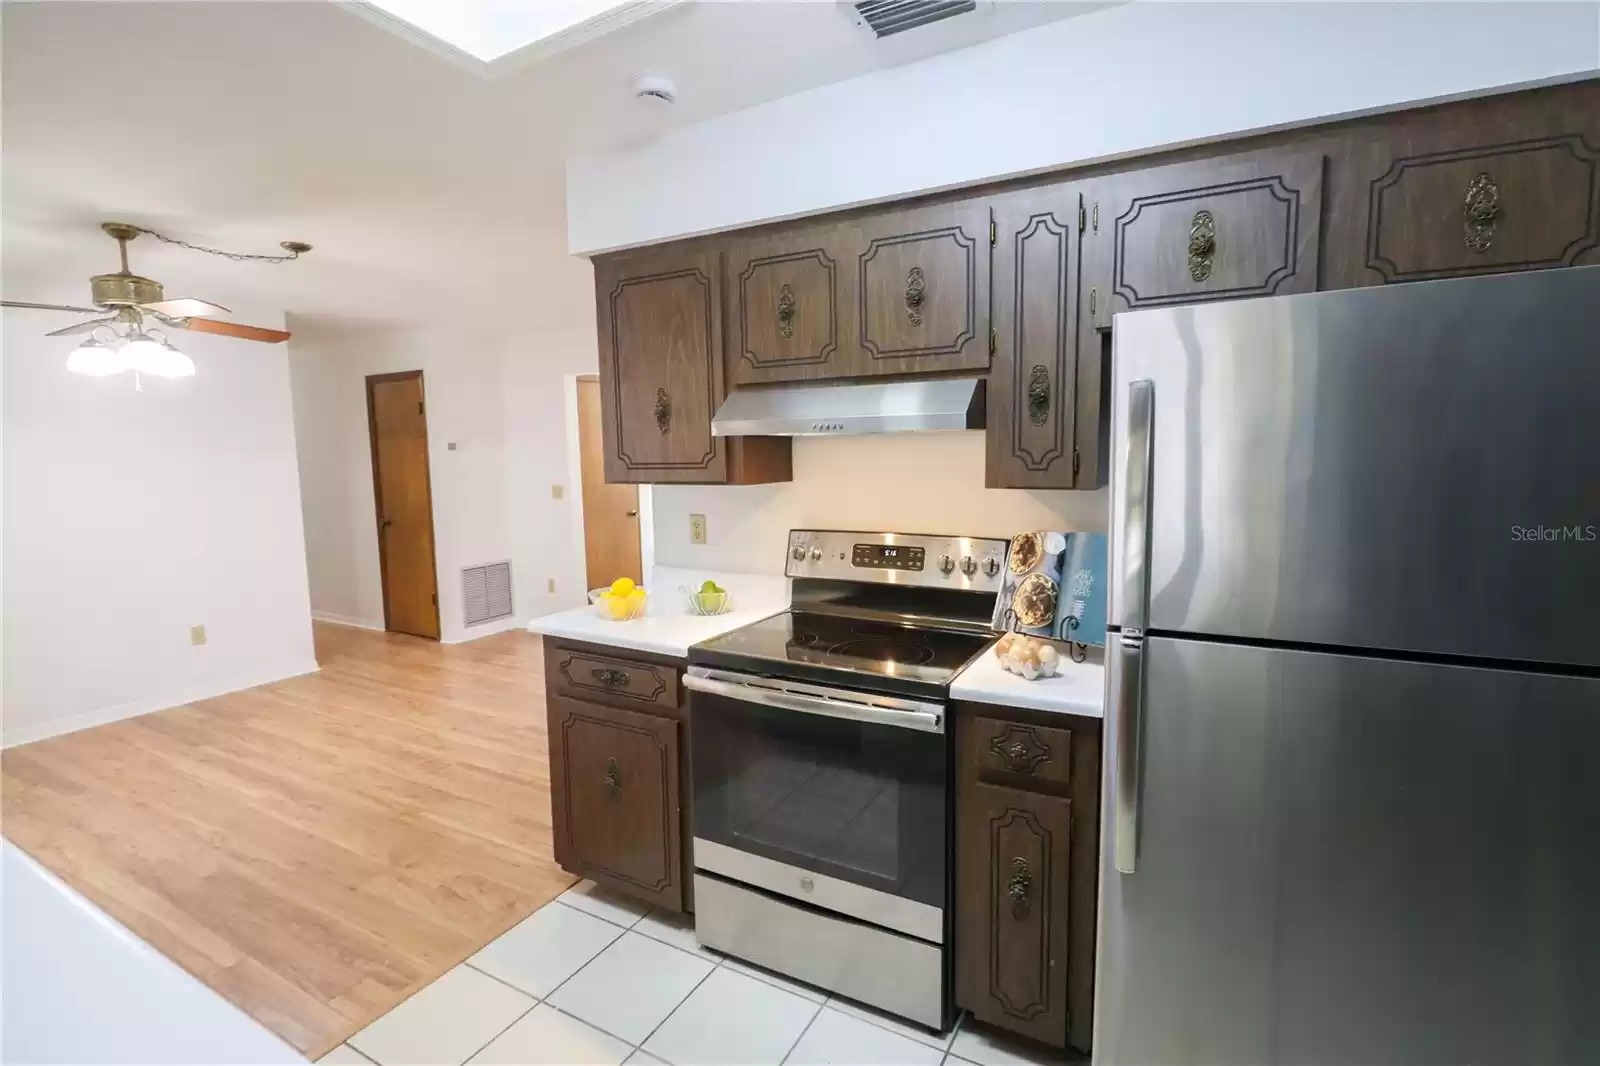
(833, 797)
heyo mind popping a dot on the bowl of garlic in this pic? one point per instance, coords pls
(1027, 656)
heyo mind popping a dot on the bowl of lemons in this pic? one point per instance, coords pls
(619, 601)
(706, 598)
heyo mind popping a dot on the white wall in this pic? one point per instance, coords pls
(497, 395)
(130, 516)
(1115, 82)
(898, 482)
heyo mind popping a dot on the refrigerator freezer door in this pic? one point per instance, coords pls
(1408, 467)
(1354, 860)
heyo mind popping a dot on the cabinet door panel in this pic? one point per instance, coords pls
(1216, 229)
(661, 365)
(1522, 205)
(923, 289)
(614, 795)
(1013, 902)
(789, 307)
(1032, 385)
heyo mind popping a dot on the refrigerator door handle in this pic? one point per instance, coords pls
(1128, 699)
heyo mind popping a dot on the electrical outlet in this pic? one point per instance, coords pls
(697, 529)
(558, 492)
(550, 585)
(197, 635)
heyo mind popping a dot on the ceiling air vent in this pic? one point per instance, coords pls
(485, 593)
(886, 17)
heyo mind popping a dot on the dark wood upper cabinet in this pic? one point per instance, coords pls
(614, 798)
(1211, 230)
(1033, 381)
(791, 311)
(922, 282)
(661, 372)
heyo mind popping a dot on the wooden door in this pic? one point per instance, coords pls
(610, 509)
(397, 422)
(1033, 383)
(614, 796)
(661, 373)
(1214, 229)
(791, 316)
(1012, 914)
(922, 283)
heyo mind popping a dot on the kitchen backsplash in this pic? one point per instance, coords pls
(900, 482)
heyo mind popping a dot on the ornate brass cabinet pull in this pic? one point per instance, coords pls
(610, 677)
(1479, 210)
(1018, 886)
(663, 410)
(1038, 398)
(916, 292)
(1202, 245)
(613, 777)
(786, 311)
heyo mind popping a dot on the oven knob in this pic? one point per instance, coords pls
(816, 554)
(806, 884)
(991, 566)
(799, 552)
(946, 564)
(969, 565)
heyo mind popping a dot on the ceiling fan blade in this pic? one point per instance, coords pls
(185, 307)
(81, 327)
(50, 307)
(233, 329)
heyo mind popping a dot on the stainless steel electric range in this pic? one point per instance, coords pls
(821, 766)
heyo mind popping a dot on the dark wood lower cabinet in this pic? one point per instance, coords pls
(1027, 870)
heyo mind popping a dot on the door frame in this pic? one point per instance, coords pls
(574, 492)
(377, 494)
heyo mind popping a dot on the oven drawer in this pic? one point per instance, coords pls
(584, 674)
(886, 970)
(1039, 752)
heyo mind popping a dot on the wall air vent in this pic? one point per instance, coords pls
(886, 17)
(485, 593)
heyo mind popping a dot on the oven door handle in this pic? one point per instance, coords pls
(856, 707)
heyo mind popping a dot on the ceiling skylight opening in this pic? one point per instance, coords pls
(488, 30)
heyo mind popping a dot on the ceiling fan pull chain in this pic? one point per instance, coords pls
(295, 249)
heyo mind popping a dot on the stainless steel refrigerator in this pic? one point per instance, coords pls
(1353, 697)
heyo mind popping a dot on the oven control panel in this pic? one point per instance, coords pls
(974, 564)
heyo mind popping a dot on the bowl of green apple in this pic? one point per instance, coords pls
(706, 598)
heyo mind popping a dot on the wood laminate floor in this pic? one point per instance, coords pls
(317, 849)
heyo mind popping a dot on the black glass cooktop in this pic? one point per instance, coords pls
(930, 656)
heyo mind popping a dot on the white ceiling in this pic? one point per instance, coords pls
(427, 188)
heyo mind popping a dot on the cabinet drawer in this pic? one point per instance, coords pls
(614, 794)
(588, 675)
(1042, 753)
(1521, 205)
(1012, 909)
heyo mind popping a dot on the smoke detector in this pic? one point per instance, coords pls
(655, 89)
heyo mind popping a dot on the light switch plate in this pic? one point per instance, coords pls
(550, 585)
(697, 529)
(197, 635)
(557, 492)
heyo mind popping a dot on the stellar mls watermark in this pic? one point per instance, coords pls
(1563, 534)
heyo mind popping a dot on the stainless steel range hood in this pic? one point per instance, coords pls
(875, 407)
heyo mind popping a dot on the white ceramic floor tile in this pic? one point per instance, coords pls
(986, 1047)
(447, 1022)
(892, 1023)
(732, 1019)
(344, 1055)
(788, 984)
(546, 948)
(631, 986)
(603, 903)
(837, 1038)
(674, 929)
(643, 1058)
(546, 1037)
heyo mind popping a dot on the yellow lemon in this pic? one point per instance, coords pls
(617, 606)
(637, 595)
(622, 586)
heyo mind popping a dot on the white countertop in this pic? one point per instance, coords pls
(1079, 688)
(667, 627)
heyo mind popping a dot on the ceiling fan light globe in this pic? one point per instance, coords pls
(96, 360)
(157, 358)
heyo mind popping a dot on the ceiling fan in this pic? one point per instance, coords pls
(121, 341)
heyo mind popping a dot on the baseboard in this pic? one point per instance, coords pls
(204, 690)
(341, 620)
(487, 629)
